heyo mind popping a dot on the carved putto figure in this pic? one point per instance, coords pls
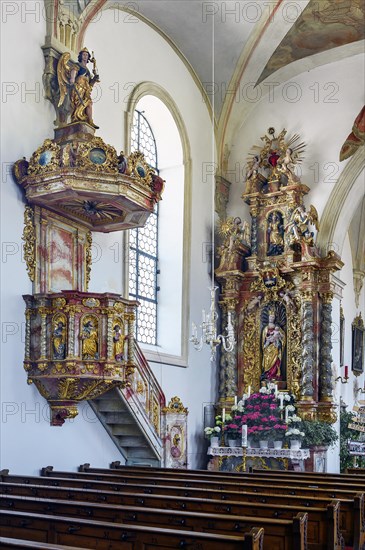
(76, 81)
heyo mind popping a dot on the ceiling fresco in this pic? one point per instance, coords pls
(323, 25)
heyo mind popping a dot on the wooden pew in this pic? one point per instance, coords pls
(282, 534)
(351, 512)
(229, 483)
(20, 544)
(323, 528)
(87, 533)
(356, 471)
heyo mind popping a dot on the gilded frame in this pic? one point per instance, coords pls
(358, 333)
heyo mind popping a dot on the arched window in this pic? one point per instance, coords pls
(170, 315)
(143, 244)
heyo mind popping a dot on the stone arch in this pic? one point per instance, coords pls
(341, 205)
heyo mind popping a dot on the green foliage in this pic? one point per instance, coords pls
(346, 434)
(318, 433)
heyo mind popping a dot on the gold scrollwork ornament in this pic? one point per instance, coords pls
(29, 246)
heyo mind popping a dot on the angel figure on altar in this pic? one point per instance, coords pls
(298, 227)
(273, 343)
(77, 81)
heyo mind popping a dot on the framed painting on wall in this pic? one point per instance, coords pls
(358, 345)
(342, 337)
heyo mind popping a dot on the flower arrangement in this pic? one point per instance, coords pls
(212, 432)
(294, 433)
(262, 415)
(233, 429)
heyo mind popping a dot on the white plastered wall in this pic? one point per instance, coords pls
(125, 58)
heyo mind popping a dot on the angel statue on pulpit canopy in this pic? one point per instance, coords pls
(76, 82)
(273, 340)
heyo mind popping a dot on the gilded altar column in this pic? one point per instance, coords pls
(308, 349)
(325, 356)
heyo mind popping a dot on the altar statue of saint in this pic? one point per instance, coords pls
(273, 343)
(76, 81)
(118, 343)
(59, 341)
(275, 232)
(90, 341)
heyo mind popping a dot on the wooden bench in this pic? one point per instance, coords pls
(11, 544)
(281, 534)
(323, 525)
(91, 534)
(351, 516)
(356, 471)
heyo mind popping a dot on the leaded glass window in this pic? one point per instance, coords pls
(143, 244)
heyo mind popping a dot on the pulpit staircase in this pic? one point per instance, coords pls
(131, 415)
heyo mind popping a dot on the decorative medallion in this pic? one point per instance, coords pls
(91, 302)
(97, 155)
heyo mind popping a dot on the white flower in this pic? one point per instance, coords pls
(212, 431)
(264, 390)
(290, 408)
(294, 418)
(287, 397)
(294, 432)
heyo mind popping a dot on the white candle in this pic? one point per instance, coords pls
(235, 400)
(204, 318)
(223, 415)
(281, 399)
(244, 435)
(276, 390)
(249, 391)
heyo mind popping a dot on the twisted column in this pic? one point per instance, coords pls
(325, 357)
(307, 374)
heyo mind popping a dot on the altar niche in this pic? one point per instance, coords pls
(275, 233)
(273, 344)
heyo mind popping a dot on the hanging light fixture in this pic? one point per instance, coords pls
(208, 328)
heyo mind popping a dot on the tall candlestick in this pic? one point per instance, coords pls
(223, 415)
(244, 435)
(281, 399)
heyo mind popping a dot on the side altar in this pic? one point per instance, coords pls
(276, 292)
(277, 288)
